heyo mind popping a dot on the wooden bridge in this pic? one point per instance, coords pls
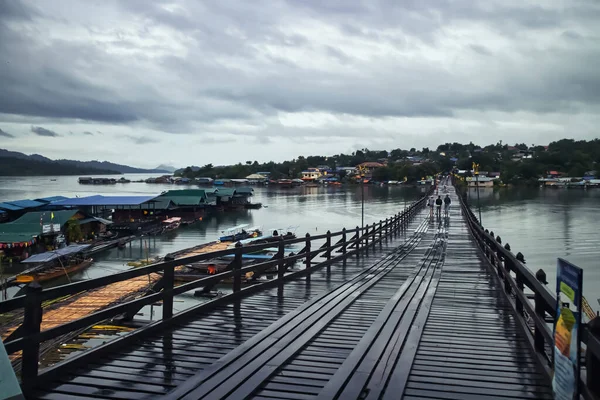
(412, 307)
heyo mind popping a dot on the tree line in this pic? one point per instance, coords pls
(571, 157)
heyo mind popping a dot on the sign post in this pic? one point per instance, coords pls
(567, 331)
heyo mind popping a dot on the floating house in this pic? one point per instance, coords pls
(233, 198)
(188, 204)
(38, 231)
(15, 209)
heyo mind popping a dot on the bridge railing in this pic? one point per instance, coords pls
(536, 310)
(344, 243)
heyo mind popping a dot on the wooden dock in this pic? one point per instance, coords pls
(416, 311)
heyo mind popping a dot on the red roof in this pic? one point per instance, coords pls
(370, 164)
(553, 173)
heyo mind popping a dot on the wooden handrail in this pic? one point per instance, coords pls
(544, 302)
(31, 336)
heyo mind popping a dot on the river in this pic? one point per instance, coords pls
(541, 223)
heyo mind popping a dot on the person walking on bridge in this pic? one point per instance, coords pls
(430, 204)
(438, 203)
(447, 202)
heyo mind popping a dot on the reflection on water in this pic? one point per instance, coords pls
(545, 224)
(541, 223)
(313, 210)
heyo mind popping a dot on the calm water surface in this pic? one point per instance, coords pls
(541, 223)
(545, 224)
(312, 210)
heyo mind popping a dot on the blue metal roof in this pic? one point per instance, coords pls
(51, 199)
(51, 255)
(10, 207)
(99, 200)
(26, 203)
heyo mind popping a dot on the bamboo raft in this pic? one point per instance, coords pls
(63, 310)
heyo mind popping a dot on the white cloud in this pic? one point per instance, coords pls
(267, 80)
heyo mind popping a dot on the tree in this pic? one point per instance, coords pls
(73, 231)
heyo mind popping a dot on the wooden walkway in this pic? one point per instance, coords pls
(422, 318)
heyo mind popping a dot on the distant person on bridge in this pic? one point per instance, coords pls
(431, 203)
(438, 203)
(447, 202)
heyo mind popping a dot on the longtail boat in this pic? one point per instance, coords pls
(55, 264)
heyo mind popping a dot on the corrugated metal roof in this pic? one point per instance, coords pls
(51, 199)
(225, 192)
(10, 207)
(91, 219)
(244, 190)
(34, 217)
(26, 203)
(187, 200)
(99, 200)
(28, 226)
(52, 255)
(184, 192)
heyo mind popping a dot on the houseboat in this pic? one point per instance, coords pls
(171, 224)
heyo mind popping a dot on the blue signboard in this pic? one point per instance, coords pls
(567, 332)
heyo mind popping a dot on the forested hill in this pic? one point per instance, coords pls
(36, 164)
(12, 166)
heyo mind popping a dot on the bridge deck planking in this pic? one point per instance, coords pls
(459, 340)
(183, 349)
(471, 347)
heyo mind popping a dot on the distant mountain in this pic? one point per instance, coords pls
(123, 169)
(168, 168)
(64, 167)
(18, 166)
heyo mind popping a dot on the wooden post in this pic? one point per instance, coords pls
(387, 228)
(366, 236)
(538, 336)
(380, 231)
(328, 247)
(521, 288)
(374, 231)
(169, 280)
(358, 241)
(593, 362)
(344, 243)
(31, 327)
(307, 249)
(280, 256)
(237, 266)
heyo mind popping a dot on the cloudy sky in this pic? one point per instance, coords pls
(192, 82)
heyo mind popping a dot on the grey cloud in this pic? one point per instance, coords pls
(6, 134)
(142, 139)
(480, 49)
(38, 130)
(230, 62)
(88, 133)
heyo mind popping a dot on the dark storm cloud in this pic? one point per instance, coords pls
(6, 134)
(38, 130)
(247, 61)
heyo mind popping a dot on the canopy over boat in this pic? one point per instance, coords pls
(53, 255)
(235, 228)
(172, 220)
